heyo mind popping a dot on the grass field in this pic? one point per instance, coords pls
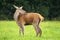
(9, 30)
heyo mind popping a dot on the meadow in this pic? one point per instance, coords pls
(9, 30)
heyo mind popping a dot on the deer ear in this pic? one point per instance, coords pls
(21, 7)
(15, 6)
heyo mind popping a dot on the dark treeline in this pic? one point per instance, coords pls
(50, 9)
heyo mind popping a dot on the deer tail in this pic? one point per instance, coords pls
(41, 17)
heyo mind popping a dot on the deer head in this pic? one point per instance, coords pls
(19, 9)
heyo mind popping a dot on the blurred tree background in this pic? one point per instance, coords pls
(50, 9)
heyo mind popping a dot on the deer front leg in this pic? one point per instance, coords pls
(21, 28)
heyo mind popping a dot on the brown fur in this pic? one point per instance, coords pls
(28, 18)
(24, 18)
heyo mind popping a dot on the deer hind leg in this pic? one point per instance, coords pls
(38, 30)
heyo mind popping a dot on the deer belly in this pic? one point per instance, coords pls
(28, 21)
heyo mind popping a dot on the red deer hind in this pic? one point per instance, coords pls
(23, 18)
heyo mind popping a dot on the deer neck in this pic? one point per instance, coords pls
(16, 14)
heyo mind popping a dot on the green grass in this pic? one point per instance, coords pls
(9, 30)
